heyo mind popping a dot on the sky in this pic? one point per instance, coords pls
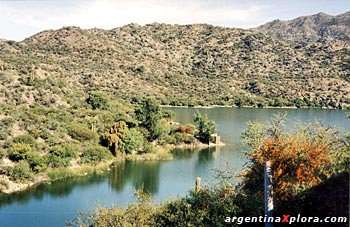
(20, 19)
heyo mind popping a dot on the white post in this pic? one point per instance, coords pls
(268, 193)
(198, 184)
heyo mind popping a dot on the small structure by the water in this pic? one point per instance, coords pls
(216, 140)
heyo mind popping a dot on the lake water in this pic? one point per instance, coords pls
(51, 205)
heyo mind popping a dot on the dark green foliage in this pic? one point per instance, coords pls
(21, 172)
(98, 101)
(149, 115)
(238, 103)
(205, 127)
(95, 154)
(81, 132)
(61, 155)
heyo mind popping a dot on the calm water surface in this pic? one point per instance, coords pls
(54, 204)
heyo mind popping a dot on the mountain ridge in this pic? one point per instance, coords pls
(196, 64)
(309, 28)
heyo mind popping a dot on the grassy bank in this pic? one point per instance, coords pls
(84, 170)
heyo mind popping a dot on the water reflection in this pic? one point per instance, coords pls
(205, 157)
(138, 173)
(57, 189)
(183, 153)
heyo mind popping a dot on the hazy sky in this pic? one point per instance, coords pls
(22, 18)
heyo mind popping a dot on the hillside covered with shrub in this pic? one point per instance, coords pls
(196, 64)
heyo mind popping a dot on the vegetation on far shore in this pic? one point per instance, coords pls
(53, 143)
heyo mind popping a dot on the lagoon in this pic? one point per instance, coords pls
(53, 204)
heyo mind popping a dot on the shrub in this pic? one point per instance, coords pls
(25, 138)
(98, 101)
(61, 155)
(7, 122)
(133, 141)
(185, 129)
(300, 159)
(138, 214)
(95, 154)
(21, 172)
(207, 207)
(37, 162)
(183, 138)
(19, 151)
(81, 132)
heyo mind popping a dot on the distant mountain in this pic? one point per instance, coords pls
(179, 65)
(310, 28)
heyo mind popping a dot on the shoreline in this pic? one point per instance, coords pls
(62, 173)
(164, 153)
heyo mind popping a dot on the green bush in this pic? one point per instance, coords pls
(133, 141)
(7, 122)
(61, 155)
(19, 151)
(208, 207)
(81, 132)
(95, 154)
(98, 101)
(25, 138)
(168, 139)
(183, 138)
(21, 172)
(138, 214)
(37, 162)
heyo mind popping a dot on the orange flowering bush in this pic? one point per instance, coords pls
(300, 159)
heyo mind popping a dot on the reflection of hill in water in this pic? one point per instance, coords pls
(56, 189)
(138, 173)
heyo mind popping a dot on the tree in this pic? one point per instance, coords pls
(149, 115)
(205, 127)
(114, 135)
